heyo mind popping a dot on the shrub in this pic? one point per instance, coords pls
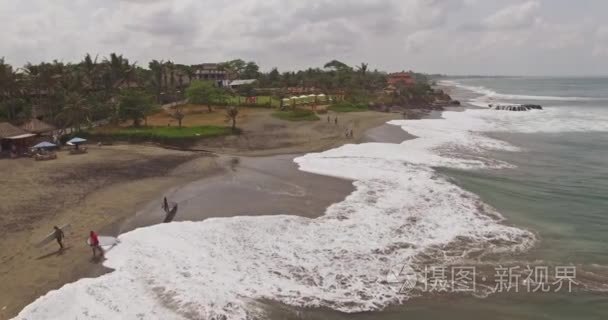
(296, 115)
(345, 106)
(168, 135)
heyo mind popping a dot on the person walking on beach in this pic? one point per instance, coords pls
(59, 237)
(336, 120)
(94, 243)
(327, 119)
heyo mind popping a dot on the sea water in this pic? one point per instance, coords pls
(477, 188)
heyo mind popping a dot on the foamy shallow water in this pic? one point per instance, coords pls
(401, 210)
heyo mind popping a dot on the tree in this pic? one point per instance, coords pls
(362, 68)
(274, 77)
(75, 110)
(188, 71)
(134, 105)
(157, 77)
(117, 71)
(251, 71)
(337, 65)
(178, 114)
(204, 92)
(9, 87)
(236, 66)
(231, 113)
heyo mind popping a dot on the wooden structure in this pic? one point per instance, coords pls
(14, 139)
(38, 127)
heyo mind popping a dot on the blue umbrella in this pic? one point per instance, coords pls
(77, 140)
(44, 144)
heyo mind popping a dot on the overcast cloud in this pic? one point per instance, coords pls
(530, 37)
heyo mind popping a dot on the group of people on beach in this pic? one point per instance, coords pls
(93, 241)
(348, 133)
(335, 120)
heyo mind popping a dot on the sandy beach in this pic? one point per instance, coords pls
(115, 189)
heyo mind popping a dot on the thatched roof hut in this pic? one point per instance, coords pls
(8, 130)
(37, 126)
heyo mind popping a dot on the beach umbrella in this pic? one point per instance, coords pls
(76, 140)
(44, 144)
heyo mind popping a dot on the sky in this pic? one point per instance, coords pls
(484, 37)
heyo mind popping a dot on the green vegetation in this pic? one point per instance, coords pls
(296, 115)
(334, 77)
(245, 70)
(160, 134)
(205, 92)
(346, 106)
(135, 105)
(114, 89)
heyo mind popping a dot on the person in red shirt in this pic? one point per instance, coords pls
(94, 243)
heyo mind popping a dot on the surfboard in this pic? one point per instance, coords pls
(104, 241)
(51, 236)
(171, 213)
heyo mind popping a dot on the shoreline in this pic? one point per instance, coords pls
(200, 167)
(252, 169)
(245, 178)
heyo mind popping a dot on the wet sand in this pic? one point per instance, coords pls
(249, 186)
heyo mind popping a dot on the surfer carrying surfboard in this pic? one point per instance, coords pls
(94, 243)
(59, 236)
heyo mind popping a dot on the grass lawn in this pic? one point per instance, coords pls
(296, 115)
(162, 134)
(348, 107)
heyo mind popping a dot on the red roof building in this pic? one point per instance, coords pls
(400, 78)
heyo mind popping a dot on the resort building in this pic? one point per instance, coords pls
(400, 79)
(212, 71)
(238, 83)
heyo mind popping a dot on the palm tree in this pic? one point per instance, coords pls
(10, 83)
(169, 70)
(157, 77)
(117, 71)
(362, 68)
(91, 71)
(75, 110)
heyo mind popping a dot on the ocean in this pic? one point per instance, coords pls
(486, 214)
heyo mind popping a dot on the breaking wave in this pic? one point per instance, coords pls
(490, 94)
(402, 212)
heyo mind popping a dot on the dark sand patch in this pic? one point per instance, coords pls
(249, 186)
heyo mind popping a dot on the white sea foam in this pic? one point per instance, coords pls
(494, 96)
(401, 212)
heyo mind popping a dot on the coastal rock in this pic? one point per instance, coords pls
(515, 107)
